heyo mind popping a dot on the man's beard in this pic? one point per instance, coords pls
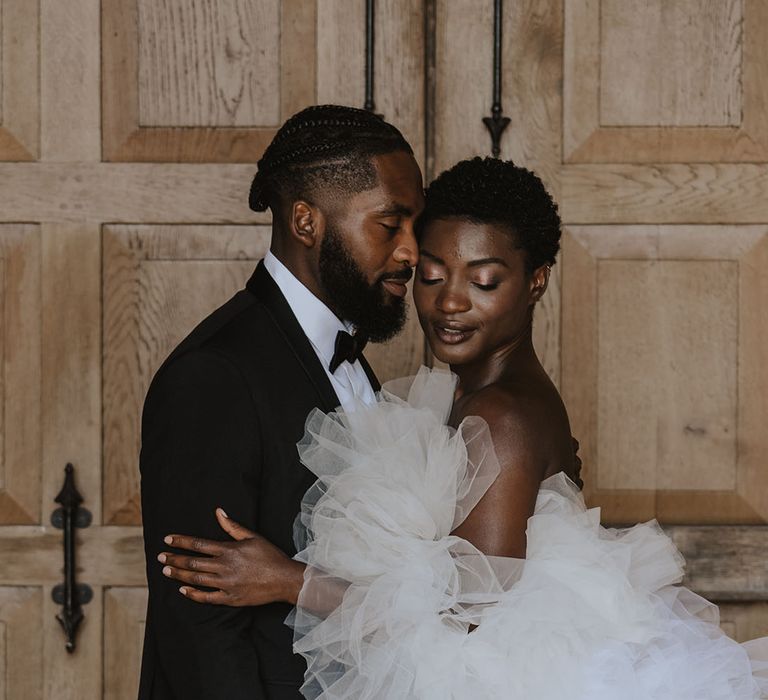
(373, 310)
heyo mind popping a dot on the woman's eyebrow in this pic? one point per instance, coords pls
(487, 261)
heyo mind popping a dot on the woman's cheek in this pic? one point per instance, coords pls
(420, 297)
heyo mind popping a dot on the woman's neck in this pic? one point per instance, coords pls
(500, 364)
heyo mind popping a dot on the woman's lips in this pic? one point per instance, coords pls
(452, 334)
(399, 289)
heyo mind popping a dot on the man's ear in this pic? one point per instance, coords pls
(307, 223)
(539, 283)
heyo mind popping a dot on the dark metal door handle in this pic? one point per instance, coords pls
(370, 55)
(497, 122)
(71, 595)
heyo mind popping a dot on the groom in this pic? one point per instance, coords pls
(225, 411)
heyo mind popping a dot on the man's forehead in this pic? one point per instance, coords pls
(400, 182)
(397, 165)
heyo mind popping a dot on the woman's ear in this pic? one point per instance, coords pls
(539, 283)
(307, 223)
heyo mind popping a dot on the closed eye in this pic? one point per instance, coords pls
(430, 280)
(486, 287)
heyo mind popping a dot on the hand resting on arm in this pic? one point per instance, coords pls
(249, 571)
(252, 571)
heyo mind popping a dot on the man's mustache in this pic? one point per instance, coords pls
(403, 276)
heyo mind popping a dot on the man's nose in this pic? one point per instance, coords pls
(407, 250)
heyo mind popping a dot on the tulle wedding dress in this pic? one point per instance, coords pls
(395, 607)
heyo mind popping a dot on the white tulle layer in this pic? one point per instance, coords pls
(395, 607)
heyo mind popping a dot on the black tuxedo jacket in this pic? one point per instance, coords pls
(220, 425)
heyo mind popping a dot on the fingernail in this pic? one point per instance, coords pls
(223, 512)
(161, 558)
(183, 590)
(166, 571)
(168, 539)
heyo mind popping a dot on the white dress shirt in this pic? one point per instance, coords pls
(321, 325)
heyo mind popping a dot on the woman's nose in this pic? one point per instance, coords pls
(451, 300)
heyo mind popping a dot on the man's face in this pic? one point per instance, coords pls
(369, 248)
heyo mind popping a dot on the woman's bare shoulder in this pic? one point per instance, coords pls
(509, 405)
(528, 424)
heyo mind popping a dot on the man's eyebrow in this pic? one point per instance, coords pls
(487, 261)
(394, 209)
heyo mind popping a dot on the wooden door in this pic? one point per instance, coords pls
(648, 120)
(129, 132)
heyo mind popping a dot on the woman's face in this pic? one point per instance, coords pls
(471, 291)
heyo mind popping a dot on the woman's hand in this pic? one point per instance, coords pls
(249, 571)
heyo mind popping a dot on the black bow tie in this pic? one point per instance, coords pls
(348, 347)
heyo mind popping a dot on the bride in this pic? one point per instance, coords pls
(445, 550)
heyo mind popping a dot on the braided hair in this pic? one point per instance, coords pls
(323, 147)
(493, 191)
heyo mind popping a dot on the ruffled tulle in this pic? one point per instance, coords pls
(395, 607)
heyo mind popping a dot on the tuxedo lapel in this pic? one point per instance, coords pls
(264, 288)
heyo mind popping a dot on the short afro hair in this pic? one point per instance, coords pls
(323, 147)
(492, 191)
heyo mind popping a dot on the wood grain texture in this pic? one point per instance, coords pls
(581, 73)
(298, 74)
(125, 139)
(670, 64)
(753, 373)
(586, 141)
(71, 362)
(464, 57)
(70, 80)
(210, 64)
(704, 193)
(111, 192)
(667, 403)
(19, 80)
(546, 326)
(341, 52)
(669, 455)
(106, 556)
(724, 563)
(159, 282)
(124, 618)
(744, 621)
(20, 390)
(400, 83)
(21, 643)
(2, 380)
(2, 41)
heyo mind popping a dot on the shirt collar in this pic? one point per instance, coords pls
(318, 322)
